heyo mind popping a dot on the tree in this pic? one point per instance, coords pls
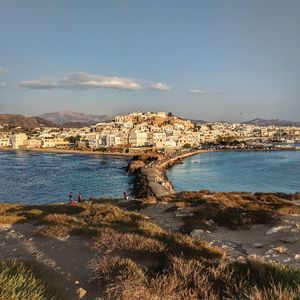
(74, 139)
(186, 146)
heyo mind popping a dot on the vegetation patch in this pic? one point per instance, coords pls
(232, 210)
(181, 278)
(19, 280)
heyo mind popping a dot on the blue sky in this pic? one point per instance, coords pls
(225, 60)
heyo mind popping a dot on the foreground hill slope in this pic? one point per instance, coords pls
(96, 249)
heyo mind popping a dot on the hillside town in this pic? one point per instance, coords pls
(150, 130)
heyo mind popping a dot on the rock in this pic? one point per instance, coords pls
(76, 282)
(253, 256)
(281, 249)
(269, 252)
(257, 245)
(297, 256)
(289, 239)
(197, 233)
(63, 238)
(277, 229)
(80, 293)
(238, 243)
(180, 215)
(226, 247)
(210, 222)
(241, 259)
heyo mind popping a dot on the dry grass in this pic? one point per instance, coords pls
(142, 261)
(233, 209)
(13, 213)
(20, 280)
(131, 243)
(191, 279)
(112, 228)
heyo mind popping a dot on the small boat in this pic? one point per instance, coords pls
(103, 163)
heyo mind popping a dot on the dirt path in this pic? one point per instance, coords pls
(159, 213)
(67, 260)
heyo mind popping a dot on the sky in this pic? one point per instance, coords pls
(231, 60)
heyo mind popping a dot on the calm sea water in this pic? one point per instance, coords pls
(28, 177)
(277, 171)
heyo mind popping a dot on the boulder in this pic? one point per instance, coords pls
(278, 229)
(80, 293)
(182, 214)
(281, 249)
(290, 239)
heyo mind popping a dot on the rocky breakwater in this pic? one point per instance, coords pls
(150, 180)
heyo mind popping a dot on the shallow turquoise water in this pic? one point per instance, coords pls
(277, 171)
(28, 177)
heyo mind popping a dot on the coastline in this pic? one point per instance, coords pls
(70, 151)
(151, 179)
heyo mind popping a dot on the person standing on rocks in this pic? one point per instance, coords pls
(79, 198)
(71, 200)
(125, 194)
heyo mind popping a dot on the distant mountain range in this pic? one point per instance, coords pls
(74, 119)
(277, 122)
(24, 122)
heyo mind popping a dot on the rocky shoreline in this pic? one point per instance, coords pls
(150, 179)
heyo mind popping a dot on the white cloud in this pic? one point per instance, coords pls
(195, 91)
(3, 70)
(159, 86)
(84, 81)
(2, 83)
(203, 92)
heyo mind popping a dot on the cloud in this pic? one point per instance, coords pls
(159, 86)
(3, 70)
(195, 91)
(203, 92)
(2, 83)
(83, 80)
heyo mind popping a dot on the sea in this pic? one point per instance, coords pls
(40, 178)
(251, 171)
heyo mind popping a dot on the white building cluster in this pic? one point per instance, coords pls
(146, 129)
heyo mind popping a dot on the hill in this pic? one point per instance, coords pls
(74, 119)
(277, 122)
(24, 122)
